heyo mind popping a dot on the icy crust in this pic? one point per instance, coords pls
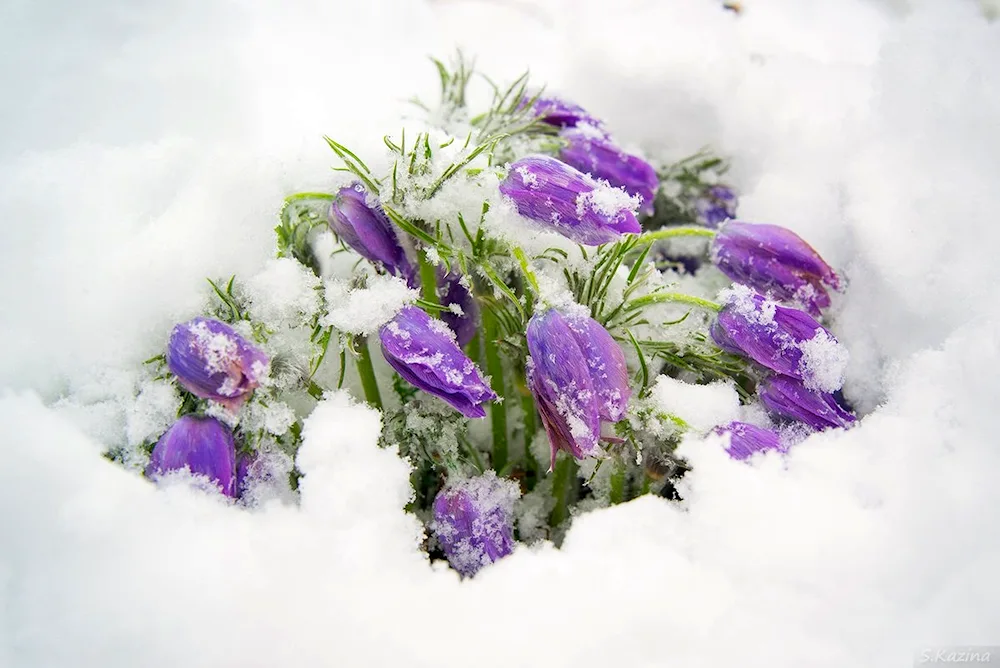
(786, 340)
(362, 311)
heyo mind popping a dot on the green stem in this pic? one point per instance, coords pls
(564, 473)
(671, 232)
(498, 411)
(428, 278)
(672, 297)
(367, 373)
(618, 483)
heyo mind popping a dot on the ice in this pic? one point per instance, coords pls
(149, 146)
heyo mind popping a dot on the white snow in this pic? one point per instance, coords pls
(364, 310)
(150, 145)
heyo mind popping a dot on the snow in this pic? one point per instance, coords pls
(364, 310)
(150, 147)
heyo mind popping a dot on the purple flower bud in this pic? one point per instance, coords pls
(577, 373)
(203, 445)
(358, 219)
(474, 521)
(716, 205)
(424, 352)
(774, 260)
(592, 153)
(747, 439)
(453, 293)
(244, 462)
(789, 398)
(213, 362)
(558, 196)
(561, 114)
(782, 339)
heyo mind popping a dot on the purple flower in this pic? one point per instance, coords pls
(716, 205)
(558, 196)
(474, 521)
(561, 114)
(592, 153)
(578, 376)
(747, 439)
(358, 219)
(424, 352)
(202, 445)
(213, 362)
(453, 293)
(774, 260)
(789, 398)
(782, 339)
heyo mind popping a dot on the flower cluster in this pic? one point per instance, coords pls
(553, 348)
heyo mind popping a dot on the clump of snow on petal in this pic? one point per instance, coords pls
(824, 362)
(364, 310)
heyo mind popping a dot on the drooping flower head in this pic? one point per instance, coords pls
(592, 153)
(716, 205)
(358, 219)
(782, 339)
(577, 373)
(561, 114)
(463, 314)
(746, 439)
(423, 350)
(202, 445)
(474, 521)
(789, 398)
(774, 260)
(213, 362)
(567, 201)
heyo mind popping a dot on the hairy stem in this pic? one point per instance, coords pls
(562, 480)
(671, 232)
(671, 297)
(428, 278)
(498, 410)
(367, 373)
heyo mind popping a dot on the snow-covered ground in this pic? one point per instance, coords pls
(147, 145)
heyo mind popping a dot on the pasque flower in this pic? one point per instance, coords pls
(562, 114)
(782, 339)
(213, 362)
(789, 398)
(578, 376)
(774, 260)
(423, 350)
(716, 205)
(593, 153)
(746, 439)
(474, 521)
(454, 295)
(202, 445)
(358, 219)
(568, 201)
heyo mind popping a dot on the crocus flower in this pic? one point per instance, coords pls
(561, 197)
(455, 295)
(746, 439)
(213, 362)
(202, 445)
(774, 260)
(782, 339)
(474, 521)
(423, 350)
(716, 205)
(594, 154)
(561, 114)
(358, 219)
(578, 376)
(789, 398)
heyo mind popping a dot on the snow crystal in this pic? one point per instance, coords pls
(364, 310)
(283, 294)
(217, 348)
(606, 200)
(824, 361)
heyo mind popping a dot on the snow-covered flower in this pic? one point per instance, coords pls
(474, 521)
(716, 205)
(213, 362)
(202, 445)
(746, 439)
(577, 373)
(773, 259)
(788, 398)
(462, 314)
(785, 340)
(562, 114)
(564, 199)
(594, 154)
(424, 351)
(358, 219)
